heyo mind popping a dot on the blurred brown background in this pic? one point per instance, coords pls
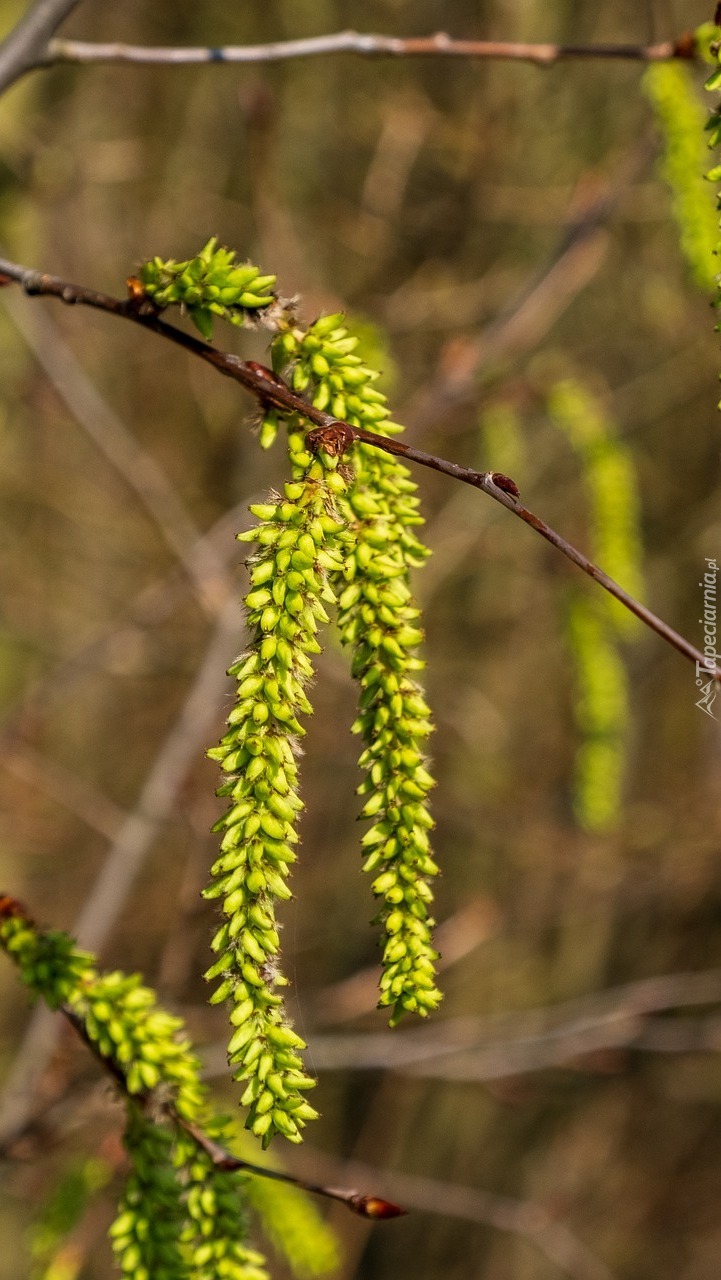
(426, 197)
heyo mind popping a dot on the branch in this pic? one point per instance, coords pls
(28, 43)
(365, 45)
(368, 1206)
(151, 606)
(482, 1049)
(534, 309)
(271, 390)
(468, 1204)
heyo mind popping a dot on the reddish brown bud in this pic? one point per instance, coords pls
(10, 907)
(335, 438)
(375, 1207)
(505, 483)
(685, 46)
(138, 304)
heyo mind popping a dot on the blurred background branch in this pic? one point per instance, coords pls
(440, 44)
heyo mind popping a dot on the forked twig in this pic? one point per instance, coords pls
(29, 40)
(367, 1206)
(271, 390)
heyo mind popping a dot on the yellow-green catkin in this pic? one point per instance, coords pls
(670, 88)
(596, 624)
(215, 1229)
(601, 712)
(713, 128)
(298, 538)
(609, 475)
(380, 623)
(180, 1218)
(145, 1235)
(209, 286)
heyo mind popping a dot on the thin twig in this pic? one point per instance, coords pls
(504, 1213)
(27, 45)
(151, 606)
(271, 390)
(496, 1048)
(367, 1206)
(365, 44)
(75, 794)
(582, 1046)
(534, 309)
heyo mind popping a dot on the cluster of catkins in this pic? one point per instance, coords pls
(180, 1217)
(212, 285)
(671, 89)
(341, 533)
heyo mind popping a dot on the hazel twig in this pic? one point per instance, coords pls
(271, 390)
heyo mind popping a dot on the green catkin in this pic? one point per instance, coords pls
(154, 1236)
(145, 1236)
(215, 1234)
(602, 714)
(209, 286)
(610, 478)
(379, 621)
(671, 90)
(713, 128)
(594, 626)
(298, 539)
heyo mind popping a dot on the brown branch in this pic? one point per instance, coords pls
(469, 1204)
(367, 1206)
(271, 390)
(502, 1046)
(534, 309)
(365, 44)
